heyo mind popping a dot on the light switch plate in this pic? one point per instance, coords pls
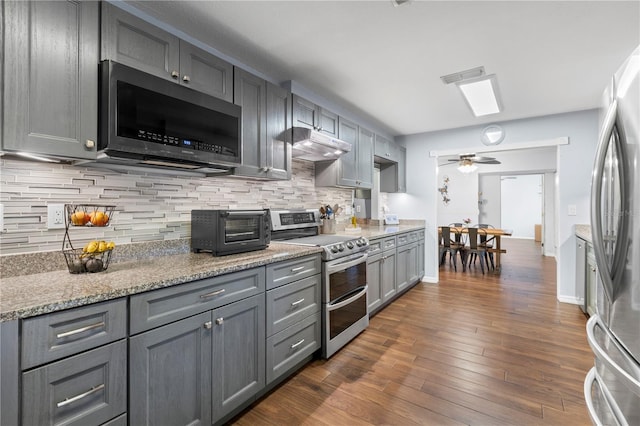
(572, 210)
(55, 216)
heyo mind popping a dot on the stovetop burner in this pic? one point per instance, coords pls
(304, 222)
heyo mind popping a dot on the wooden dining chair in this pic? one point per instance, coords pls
(474, 249)
(447, 245)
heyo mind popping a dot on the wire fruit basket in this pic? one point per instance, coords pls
(96, 254)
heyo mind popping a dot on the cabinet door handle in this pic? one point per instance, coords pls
(207, 325)
(295, 345)
(78, 397)
(213, 293)
(89, 144)
(297, 302)
(299, 268)
(175, 74)
(220, 321)
(186, 79)
(79, 330)
(593, 269)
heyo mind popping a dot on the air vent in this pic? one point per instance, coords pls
(462, 75)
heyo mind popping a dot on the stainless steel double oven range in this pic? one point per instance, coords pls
(344, 274)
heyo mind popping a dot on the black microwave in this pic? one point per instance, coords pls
(223, 232)
(153, 121)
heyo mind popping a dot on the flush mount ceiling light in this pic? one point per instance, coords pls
(481, 95)
(480, 91)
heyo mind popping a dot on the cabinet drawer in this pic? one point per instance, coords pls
(53, 336)
(290, 346)
(381, 244)
(86, 389)
(282, 273)
(118, 421)
(159, 307)
(403, 239)
(288, 304)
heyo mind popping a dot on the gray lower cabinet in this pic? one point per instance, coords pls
(266, 121)
(50, 78)
(238, 354)
(85, 389)
(395, 263)
(170, 374)
(293, 314)
(132, 41)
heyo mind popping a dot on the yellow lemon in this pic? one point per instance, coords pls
(111, 245)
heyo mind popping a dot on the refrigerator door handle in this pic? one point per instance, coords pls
(610, 274)
(620, 373)
(594, 379)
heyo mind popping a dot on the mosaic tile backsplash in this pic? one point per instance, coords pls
(150, 206)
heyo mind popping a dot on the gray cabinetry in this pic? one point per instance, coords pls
(381, 271)
(581, 271)
(50, 78)
(266, 115)
(74, 365)
(132, 41)
(238, 354)
(85, 389)
(172, 364)
(293, 314)
(392, 159)
(312, 116)
(353, 169)
(408, 259)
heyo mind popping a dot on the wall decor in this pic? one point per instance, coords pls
(444, 190)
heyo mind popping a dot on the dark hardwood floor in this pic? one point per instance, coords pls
(474, 349)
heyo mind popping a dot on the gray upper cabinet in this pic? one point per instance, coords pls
(266, 119)
(392, 159)
(50, 78)
(312, 116)
(132, 41)
(353, 169)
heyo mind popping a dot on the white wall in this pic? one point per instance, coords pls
(574, 166)
(521, 204)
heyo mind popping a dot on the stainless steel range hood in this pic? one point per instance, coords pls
(311, 145)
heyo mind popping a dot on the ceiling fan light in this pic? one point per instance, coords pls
(481, 95)
(467, 167)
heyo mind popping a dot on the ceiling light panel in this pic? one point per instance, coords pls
(481, 95)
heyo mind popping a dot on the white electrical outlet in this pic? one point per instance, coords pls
(55, 216)
(572, 210)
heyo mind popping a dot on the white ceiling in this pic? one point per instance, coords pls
(385, 62)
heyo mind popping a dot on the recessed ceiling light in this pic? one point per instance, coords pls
(481, 95)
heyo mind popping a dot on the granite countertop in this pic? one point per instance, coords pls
(24, 296)
(29, 295)
(584, 232)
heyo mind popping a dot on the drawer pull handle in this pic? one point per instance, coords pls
(297, 302)
(213, 293)
(295, 345)
(80, 330)
(78, 397)
(299, 268)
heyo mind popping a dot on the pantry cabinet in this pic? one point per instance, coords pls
(132, 41)
(50, 78)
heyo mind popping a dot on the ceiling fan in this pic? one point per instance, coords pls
(466, 162)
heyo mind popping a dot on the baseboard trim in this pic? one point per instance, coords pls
(570, 299)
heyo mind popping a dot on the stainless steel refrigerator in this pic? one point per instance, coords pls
(612, 386)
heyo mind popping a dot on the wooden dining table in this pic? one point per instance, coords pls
(496, 233)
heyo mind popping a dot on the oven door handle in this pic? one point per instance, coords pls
(342, 303)
(244, 212)
(346, 264)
